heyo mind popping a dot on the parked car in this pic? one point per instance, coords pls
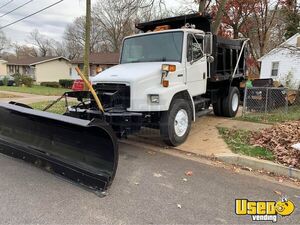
(10, 82)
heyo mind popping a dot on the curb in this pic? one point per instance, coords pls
(259, 164)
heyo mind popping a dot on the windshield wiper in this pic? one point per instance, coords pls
(163, 59)
(135, 61)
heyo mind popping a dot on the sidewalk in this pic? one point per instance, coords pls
(26, 98)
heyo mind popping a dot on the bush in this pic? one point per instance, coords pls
(53, 84)
(66, 83)
(27, 81)
(23, 80)
(5, 80)
(18, 79)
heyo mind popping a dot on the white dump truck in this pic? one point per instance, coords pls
(170, 74)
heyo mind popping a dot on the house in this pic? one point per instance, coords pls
(41, 69)
(98, 63)
(3, 67)
(283, 63)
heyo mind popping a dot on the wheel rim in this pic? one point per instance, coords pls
(181, 122)
(235, 102)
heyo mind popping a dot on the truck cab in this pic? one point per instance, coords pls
(169, 75)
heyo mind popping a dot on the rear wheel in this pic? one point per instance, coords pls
(217, 107)
(231, 102)
(175, 124)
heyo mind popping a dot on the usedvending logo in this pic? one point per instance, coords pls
(264, 210)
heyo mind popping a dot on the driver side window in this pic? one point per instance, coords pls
(195, 47)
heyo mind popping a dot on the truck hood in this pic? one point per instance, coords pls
(130, 72)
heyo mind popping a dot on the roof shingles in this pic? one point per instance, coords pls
(31, 60)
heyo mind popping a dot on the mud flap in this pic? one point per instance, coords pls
(83, 151)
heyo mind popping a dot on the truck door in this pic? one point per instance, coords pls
(196, 65)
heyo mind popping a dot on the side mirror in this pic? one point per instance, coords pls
(208, 43)
(210, 59)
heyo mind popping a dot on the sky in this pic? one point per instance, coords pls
(51, 22)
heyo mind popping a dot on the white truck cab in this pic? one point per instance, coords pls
(141, 67)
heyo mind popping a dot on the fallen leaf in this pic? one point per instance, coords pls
(247, 168)
(179, 206)
(280, 180)
(277, 192)
(157, 175)
(189, 173)
(151, 152)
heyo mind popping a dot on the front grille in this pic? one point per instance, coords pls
(113, 95)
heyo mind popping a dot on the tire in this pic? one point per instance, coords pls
(217, 107)
(180, 113)
(231, 102)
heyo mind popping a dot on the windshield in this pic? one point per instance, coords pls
(153, 48)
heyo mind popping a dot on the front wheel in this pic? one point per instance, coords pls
(175, 125)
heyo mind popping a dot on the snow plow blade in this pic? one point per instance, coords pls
(83, 151)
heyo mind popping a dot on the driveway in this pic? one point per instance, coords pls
(148, 188)
(204, 138)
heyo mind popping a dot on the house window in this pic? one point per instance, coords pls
(275, 67)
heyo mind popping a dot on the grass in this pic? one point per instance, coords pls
(274, 117)
(58, 108)
(239, 142)
(36, 90)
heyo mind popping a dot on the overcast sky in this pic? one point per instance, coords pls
(51, 22)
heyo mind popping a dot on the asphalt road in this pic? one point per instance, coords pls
(147, 189)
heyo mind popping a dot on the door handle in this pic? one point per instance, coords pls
(204, 76)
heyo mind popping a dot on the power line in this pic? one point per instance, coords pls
(6, 4)
(43, 9)
(16, 8)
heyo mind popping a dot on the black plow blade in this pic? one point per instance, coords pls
(82, 151)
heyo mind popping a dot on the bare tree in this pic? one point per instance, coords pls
(75, 33)
(59, 48)
(4, 42)
(24, 51)
(260, 25)
(117, 18)
(43, 43)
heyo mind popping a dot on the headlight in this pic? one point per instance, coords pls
(154, 98)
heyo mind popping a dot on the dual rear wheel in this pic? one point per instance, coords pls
(229, 105)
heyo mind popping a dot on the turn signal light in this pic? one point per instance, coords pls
(168, 68)
(165, 83)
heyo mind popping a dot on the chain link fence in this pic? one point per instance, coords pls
(269, 100)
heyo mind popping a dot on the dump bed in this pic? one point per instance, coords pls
(226, 53)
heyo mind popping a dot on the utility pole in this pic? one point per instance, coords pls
(86, 68)
(202, 5)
